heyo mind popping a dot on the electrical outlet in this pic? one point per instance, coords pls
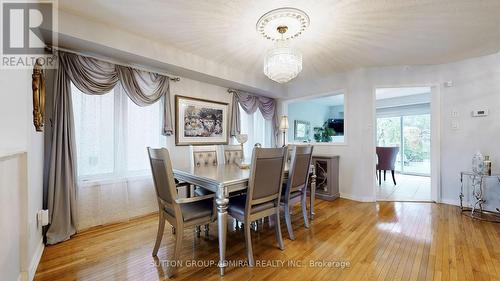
(43, 217)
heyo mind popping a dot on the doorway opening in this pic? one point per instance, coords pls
(403, 140)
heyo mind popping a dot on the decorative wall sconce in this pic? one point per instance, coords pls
(38, 85)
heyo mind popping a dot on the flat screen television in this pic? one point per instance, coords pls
(337, 125)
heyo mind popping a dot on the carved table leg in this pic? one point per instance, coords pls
(313, 194)
(222, 202)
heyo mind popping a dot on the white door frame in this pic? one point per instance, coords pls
(435, 135)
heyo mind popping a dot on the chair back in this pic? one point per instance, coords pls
(291, 148)
(233, 154)
(386, 157)
(163, 177)
(266, 176)
(300, 165)
(203, 155)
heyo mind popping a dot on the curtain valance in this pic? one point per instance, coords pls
(96, 77)
(250, 103)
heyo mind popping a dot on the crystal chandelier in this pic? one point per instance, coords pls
(282, 63)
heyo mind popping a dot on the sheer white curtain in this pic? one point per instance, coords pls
(114, 177)
(259, 130)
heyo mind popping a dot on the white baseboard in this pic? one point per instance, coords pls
(356, 198)
(22, 276)
(35, 260)
(454, 202)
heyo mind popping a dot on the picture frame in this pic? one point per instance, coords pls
(200, 121)
(301, 130)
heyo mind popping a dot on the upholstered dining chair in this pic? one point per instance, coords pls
(179, 212)
(233, 153)
(386, 161)
(296, 185)
(206, 155)
(263, 194)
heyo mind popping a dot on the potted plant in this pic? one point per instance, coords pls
(323, 134)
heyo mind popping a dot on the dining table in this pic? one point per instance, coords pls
(224, 179)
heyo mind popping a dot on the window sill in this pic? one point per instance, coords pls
(320, 143)
(101, 180)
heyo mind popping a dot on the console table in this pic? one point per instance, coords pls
(477, 186)
(326, 169)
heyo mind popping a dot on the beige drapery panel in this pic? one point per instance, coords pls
(93, 77)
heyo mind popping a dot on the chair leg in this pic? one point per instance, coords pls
(288, 221)
(173, 230)
(248, 241)
(252, 226)
(384, 174)
(177, 252)
(379, 177)
(393, 178)
(207, 229)
(159, 235)
(279, 237)
(304, 208)
(198, 231)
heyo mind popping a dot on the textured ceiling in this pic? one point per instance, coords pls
(343, 35)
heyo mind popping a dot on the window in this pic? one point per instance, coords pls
(94, 116)
(111, 137)
(317, 120)
(258, 129)
(138, 136)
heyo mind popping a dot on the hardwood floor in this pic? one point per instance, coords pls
(378, 241)
(408, 188)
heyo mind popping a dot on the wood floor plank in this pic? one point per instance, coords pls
(379, 241)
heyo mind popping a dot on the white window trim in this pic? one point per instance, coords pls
(347, 129)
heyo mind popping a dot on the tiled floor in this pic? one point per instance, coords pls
(408, 188)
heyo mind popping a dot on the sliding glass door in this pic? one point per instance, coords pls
(411, 134)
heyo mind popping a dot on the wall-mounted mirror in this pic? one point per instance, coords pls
(317, 120)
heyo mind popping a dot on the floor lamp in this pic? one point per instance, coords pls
(284, 127)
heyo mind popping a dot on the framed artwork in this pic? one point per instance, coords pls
(301, 130)
(200, 122)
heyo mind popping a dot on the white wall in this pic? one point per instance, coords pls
(476, 84)
(21, 169)
(14, 113)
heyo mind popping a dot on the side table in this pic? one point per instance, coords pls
(477, 185)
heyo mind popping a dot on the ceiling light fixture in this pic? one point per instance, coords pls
(282, 63)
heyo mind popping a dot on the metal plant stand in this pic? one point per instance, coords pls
(477, 184)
